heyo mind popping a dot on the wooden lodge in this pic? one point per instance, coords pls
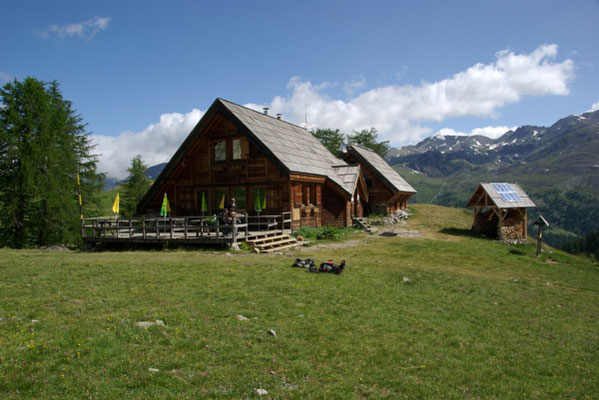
(272, 167)
(500, 210)
(387, 190)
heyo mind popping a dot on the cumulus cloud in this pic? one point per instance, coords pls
(594, 107)
(490, 131)
(350, 87)
(399, 112)
(83, 30)
(157, 143)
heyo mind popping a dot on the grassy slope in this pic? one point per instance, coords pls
(569, 213)
(479, 318)
(107, 200)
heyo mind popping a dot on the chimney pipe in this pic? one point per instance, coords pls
(279, 115)
(265, 110)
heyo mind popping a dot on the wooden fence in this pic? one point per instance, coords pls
(198, 229)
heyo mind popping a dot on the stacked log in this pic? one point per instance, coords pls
(512, 228)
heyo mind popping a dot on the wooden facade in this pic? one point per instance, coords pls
(387, 191)
(242, 172)
(268, 164)
(497, 218)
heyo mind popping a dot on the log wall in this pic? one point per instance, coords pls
(199, 172)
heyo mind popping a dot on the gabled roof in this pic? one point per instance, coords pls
(291, 147)
(390, 178)
(349, 174)
(520, 200)
(296, 149)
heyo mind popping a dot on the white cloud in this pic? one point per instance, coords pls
(490, 131)
(83, 30)
(594, 107)
(156, 144)
(397, 112)
(350, 87)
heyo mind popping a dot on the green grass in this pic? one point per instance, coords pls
(478, 319)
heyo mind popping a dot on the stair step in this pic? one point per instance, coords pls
(269, 239)
(281, 248)
(276, 244)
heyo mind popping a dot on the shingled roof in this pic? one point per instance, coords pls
(296, 149)
(349, 174)
(505, 199)
(291, 147)
(390, 178)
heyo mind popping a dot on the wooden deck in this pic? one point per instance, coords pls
(192, 229)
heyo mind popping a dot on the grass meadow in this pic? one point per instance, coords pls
(478, 319)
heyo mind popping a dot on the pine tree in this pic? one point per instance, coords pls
(43, 143)
(332, 139)
(135, 187)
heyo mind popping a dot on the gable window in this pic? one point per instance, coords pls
(236, 149)
(220, 151)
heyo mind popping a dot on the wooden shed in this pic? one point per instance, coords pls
(237, 152)
(387, 190)
(500, 210)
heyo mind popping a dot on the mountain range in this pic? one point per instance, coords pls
(558, 166)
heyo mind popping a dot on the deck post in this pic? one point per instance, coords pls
(82, 228)
(217, 226)
(130, 229)
(170, 222)
(247, 225)
(157, 229)
(185, 227)
(143, 228)
(233, 232)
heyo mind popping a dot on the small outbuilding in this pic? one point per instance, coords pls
(388, 192)
(500, 210)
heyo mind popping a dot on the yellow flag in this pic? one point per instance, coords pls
(222, 202)
(115, 206)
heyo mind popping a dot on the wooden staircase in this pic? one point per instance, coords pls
(269, 242)
(362, 224)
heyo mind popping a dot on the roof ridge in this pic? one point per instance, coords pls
(362, 147)
(262, 114)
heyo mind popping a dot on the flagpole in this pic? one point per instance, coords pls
(79, 194)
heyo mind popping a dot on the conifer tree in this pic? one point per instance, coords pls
(332, 139)
(43, 143)
(135, 187)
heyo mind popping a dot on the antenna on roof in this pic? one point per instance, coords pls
(306, 114)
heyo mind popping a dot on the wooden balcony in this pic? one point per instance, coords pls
(192, 229)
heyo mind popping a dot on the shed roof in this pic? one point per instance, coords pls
(390, 178)
(522, 199)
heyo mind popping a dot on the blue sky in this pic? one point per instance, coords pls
(141, 74)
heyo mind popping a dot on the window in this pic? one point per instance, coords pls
(309, 194)
(236, 149)
(220, 199)
(203, 201)
(220, 151)
(240, 198)
(259, 199)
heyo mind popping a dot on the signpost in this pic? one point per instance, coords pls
(541, 222)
